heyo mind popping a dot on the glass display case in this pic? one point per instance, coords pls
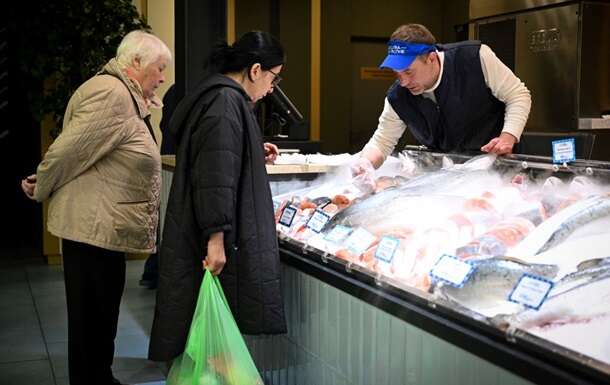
(507, 257)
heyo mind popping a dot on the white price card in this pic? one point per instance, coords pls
(564, 150)
(318, 220)
(451, 270)
(359, 241)
(531, 291)
(338, 234)
(288, 215)
(386, 249)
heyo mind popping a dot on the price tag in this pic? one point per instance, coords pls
(386, 249)
(288, 215)
(318, 220)
(564, 150)
(531, 291)
(359, 241)
(451, 270)
(338, 234)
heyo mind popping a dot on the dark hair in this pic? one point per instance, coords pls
(253, 47)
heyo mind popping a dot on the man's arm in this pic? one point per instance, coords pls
(388, 133)
(510, 90)
(373, 155)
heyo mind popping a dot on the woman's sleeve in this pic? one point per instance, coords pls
(92, 128)
(216, 153)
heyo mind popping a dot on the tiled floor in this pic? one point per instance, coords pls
(33, 327)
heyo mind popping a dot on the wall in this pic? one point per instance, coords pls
(290, 23)
(252, 15)
(160, 16)
(295, 35)
(341, 21)
(454, 13)
(350, 31)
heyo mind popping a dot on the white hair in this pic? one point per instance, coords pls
(141, 45)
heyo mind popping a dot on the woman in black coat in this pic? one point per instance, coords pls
(220, 209)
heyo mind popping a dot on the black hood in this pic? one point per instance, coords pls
(181, 115)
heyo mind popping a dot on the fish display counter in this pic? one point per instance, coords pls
(506, 259)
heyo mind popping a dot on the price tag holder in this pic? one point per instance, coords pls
(318, 220)
(338, 234)
(386, 249)
(452, 270)
(564, 150)
(288, 215)
(359, 241)
(531, 291)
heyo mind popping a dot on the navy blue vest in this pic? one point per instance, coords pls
(466, 115)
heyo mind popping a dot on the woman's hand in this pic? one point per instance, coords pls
(216, 259)
(28, 185)
(271, 152)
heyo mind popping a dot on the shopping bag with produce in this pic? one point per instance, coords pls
(215, 352)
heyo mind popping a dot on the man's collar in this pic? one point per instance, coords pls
(441, 59)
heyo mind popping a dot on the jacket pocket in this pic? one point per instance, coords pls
(133, 223)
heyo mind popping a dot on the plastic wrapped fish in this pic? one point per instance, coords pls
(486, 291)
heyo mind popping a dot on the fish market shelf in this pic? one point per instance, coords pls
(169, 163)
(297, 168)
(529, 357)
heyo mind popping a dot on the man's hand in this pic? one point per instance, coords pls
(271, 152)
(363, 175)
(216, 259)
(500, 145)
(28, 185)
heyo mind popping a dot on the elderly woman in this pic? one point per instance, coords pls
(103, 176)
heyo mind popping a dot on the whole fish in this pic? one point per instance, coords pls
(480, 162)
(395, 200)
(557, 228)
(368, 207)
(576, 297)
(400, 209)
(598, 209)
(486, 291)
(583, 245)
(587, 272)
(576, 319)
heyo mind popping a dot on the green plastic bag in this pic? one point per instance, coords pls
(215, 352)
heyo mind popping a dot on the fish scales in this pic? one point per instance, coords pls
(486, 291)
(600, 208)
(393, 200)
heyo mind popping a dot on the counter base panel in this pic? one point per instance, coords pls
(336, 338)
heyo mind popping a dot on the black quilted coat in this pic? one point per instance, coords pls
(219, 184)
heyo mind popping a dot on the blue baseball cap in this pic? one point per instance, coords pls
(402, 53)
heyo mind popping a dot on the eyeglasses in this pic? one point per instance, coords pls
(276, 78)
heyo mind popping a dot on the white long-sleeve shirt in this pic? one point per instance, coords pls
(502, 82)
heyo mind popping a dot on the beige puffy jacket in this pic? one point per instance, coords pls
(103, 172)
